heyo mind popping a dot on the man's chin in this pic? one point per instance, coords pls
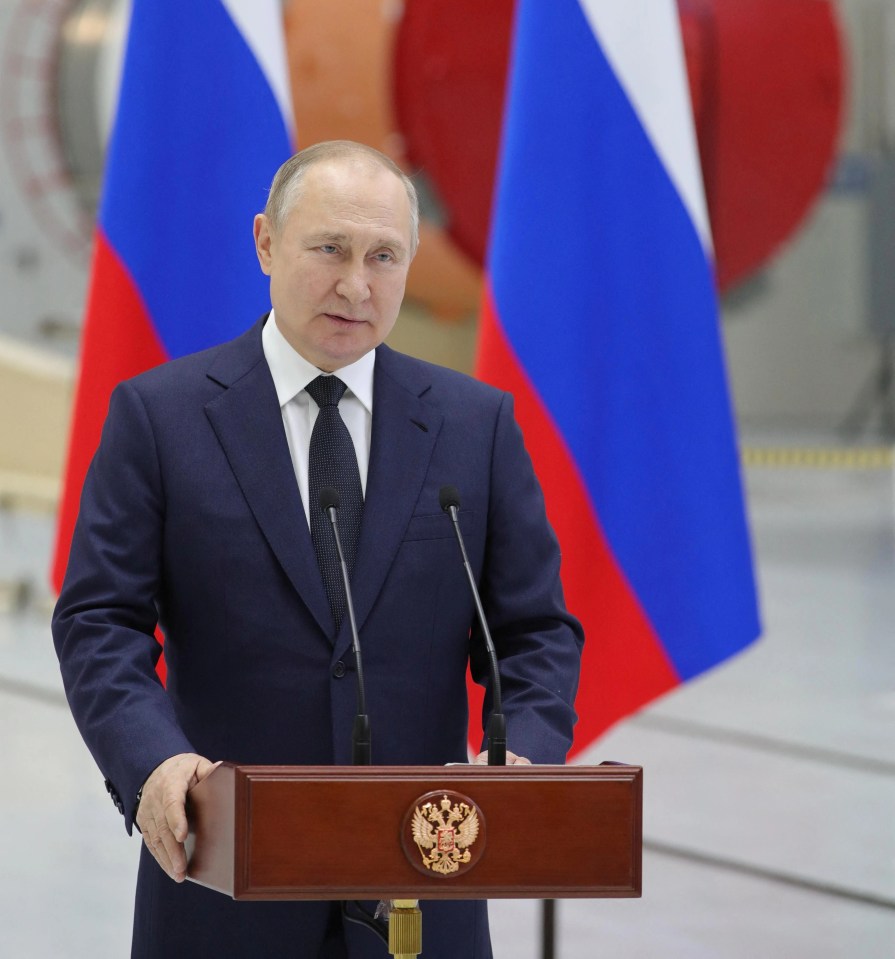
(338, 356)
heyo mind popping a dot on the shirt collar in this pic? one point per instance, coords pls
(291, 372)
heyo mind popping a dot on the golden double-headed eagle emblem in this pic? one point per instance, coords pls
(443, 833)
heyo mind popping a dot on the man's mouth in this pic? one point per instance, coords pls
(341, 318)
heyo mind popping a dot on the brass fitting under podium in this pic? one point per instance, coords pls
(405, 929)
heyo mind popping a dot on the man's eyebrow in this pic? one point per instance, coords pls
(393, 241)
(328, 237)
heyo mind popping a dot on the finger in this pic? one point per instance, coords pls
(521, 761)
(175, 816)
(171, 855)
(205, 768)
(168, 838)
(157, 848)
(481, 759)
(178, 864)
(161, 857)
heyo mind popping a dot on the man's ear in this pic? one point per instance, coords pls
(263, 239)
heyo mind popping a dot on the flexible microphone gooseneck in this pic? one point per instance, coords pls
(360, 736)
(449, 499)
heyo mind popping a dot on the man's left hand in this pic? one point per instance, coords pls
(512, 759)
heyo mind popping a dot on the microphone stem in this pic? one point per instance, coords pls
(361, 734)
(497, 724)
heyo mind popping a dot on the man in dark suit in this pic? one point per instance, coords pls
(199, 514)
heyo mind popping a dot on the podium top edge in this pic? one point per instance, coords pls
(613, 771)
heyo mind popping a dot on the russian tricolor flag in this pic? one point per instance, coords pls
(204, 120)
(601, 317)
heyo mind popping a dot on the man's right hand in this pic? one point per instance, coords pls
(162, 813)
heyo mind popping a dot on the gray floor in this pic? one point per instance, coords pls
(770, 783)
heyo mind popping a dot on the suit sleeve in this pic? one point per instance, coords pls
(105, 619)
(538, 642)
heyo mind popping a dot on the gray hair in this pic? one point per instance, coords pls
(286, 186)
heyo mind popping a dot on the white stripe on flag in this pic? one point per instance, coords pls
(642, 41)
(261, 24)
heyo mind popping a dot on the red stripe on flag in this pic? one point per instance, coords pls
(624, 664)
(118, 341)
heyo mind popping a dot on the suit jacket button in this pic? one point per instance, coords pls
(339, 669)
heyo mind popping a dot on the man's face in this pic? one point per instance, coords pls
(339, 263)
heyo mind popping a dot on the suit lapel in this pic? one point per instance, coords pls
(249, 426)
(405, 430)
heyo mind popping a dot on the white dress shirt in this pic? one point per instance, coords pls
(291, 373)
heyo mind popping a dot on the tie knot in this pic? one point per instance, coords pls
(326, 390)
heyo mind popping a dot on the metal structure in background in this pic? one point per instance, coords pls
(90, 55)
(44, 233)
(874, 404)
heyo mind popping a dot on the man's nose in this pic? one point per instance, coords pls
(353, 284)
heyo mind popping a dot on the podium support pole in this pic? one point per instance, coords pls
(548, 929)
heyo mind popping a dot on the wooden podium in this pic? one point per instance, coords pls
(368, 832)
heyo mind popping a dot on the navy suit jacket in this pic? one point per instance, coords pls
(191, 518)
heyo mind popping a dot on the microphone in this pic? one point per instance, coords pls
(449, 500)
(360, 736)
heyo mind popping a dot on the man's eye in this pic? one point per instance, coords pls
(329, 248)
(384, 257)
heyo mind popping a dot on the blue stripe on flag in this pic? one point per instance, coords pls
(195, 108)
(607, 297)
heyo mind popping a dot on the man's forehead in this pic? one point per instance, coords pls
(337, 196)
(356, 170)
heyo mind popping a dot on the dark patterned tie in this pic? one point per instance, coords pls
(332, 461)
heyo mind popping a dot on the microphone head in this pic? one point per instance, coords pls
(329, 497)
(448, 496)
